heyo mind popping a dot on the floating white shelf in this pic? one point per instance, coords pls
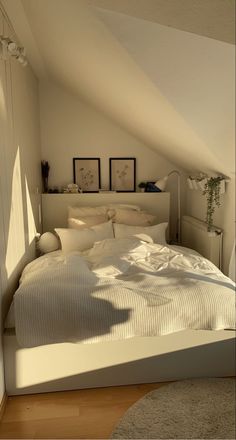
(199, 184)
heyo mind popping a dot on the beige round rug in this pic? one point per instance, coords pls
(189, 409)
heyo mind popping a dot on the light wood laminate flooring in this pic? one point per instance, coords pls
(81, 414)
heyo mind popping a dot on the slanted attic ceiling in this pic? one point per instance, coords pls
(172, 89)
(209, 18)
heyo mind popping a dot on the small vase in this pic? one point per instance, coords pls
(222, 186)
(190, 184)
(201, 184)
(45, 184)
(211, 233)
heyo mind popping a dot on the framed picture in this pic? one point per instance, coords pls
(87, 173)
(122, 174)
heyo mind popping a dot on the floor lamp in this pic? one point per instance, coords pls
(161, 185)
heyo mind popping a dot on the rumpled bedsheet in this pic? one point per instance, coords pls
(121, 288)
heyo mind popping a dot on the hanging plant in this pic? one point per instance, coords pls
(212, 192)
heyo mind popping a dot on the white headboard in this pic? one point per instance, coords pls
(54, 206)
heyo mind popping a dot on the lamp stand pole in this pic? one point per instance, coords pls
(179, 206)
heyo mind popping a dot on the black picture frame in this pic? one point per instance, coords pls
(122, 174)
(87, 173)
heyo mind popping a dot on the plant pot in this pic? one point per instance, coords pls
(211, 233)
(45, 184)
(195, 185)
(222, 186)
(190, 183)
(201, 184)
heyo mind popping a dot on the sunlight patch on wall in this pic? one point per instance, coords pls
(16, 232)
(30, 215)
(2, 103)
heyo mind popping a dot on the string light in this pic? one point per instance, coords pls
(14, 50)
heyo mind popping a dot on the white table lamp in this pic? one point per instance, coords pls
(161, 185)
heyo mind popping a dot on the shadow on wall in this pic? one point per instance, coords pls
(19, 211)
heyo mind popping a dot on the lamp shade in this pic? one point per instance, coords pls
(161, 183)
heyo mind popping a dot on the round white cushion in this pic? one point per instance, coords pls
(48, 242)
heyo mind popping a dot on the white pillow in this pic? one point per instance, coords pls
(134, 218)
(123, 206)
(74, 240)
(84, 211)
(156, 232)
(86, 222)
(48, 242)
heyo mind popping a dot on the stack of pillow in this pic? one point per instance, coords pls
(87, 225)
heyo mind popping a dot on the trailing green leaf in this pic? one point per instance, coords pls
(212, 192)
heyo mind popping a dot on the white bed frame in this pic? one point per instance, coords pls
(67, 366)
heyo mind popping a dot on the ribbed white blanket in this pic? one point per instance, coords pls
(120, 289)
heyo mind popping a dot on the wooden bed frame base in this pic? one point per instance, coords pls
(68, 366)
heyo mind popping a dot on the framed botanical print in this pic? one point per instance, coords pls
(122, 174)
(87, 174)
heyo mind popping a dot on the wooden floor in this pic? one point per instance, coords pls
(82, 414)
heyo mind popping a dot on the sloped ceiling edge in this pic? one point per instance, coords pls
(81, 53)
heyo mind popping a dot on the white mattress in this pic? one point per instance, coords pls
(121, 289)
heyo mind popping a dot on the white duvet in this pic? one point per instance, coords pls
(119, 289)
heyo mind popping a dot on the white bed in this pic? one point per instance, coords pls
(121, 355)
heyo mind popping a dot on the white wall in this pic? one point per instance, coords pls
(71, 128)
(224, 216)
(172, 90)
(20, 181)
(195, 74)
